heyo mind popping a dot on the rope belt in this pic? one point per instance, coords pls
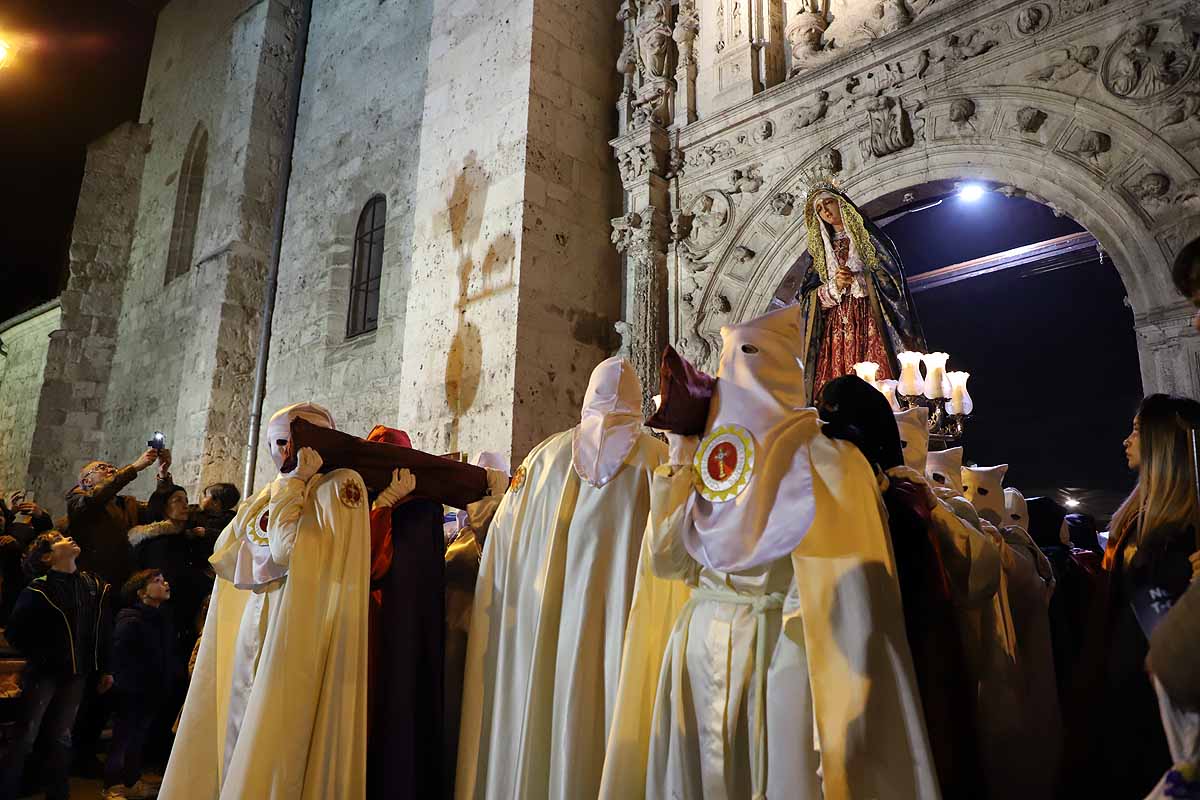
(759, 605)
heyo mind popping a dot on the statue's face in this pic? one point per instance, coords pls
(829, 209)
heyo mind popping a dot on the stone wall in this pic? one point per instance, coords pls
(185, 350)
(69, 430)
(26, 341)
(359, 134)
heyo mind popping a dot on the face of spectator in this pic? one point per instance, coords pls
(1133, 449)
(156, 591)
(97, 472)
(176, 509)
(209, 503)
(1195, 298)
(63, 551)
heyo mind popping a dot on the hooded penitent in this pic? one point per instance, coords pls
(1016, 511)
(610, 423)
(554, 590)
(758, 500)
(914, 436)
(984, 487)
(855, 410)
(794, 631)
(944, 469)
(276, 707)
(870, 254)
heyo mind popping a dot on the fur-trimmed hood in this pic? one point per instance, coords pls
(144, 533)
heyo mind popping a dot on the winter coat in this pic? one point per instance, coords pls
(144, 662)
(57, 634)
(99, 521)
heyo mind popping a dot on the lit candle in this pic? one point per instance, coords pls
(911, 384)
(867, 370)
(935, 375)
(889, 391)
(960, 399)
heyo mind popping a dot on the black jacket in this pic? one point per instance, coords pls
(143, 652)
(61, 624)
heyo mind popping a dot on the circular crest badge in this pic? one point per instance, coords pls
(724, 463)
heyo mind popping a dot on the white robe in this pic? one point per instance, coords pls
(821, 632)
(277, 704)
(555, 586)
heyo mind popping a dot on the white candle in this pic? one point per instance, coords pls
(867, 370)
(911, 384)
(935, 375)
(889, 391)
(960, 398)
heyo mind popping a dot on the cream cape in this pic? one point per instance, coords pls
(555, 585)
(839, 631)
(284, 668)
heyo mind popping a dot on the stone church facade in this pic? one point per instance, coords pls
(533, 178)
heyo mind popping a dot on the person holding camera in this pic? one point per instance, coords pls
(100, 517)
(61, 625)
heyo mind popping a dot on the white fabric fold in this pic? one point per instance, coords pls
(610, 423)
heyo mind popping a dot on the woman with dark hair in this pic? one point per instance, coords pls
(1151, 536)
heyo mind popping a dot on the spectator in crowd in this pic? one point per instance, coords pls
(217, 507)
(1147, 558)
(100, 518)
(145, 671)
(60, 624)
(20, 521)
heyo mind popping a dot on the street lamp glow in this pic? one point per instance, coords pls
(971, 192)
(1071, 502)
(5, 52)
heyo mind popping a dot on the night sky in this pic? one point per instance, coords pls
(78, 73)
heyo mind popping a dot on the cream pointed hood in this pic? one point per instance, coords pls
(611, 421)
(759, 393)
(914, 436)
(279, 427)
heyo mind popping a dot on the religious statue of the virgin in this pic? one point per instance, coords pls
(855, 299)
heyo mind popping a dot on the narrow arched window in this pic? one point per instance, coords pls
(187, 205)
(368, 268)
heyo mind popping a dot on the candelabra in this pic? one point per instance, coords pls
(943, 393)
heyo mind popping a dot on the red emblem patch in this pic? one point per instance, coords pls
(262, 522)
(722, 461)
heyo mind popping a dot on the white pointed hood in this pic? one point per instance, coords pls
(984, 487)
(611, 421)
(760, 388)
(914, 436)
(944, 468)
(1016, 510)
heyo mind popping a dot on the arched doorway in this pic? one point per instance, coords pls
(1024, 299)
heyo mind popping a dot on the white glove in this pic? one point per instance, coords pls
(681, 450)
(402, 485)
(308, 463)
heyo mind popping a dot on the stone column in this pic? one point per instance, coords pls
(749, 55)
(687, 28)
(1169, 350)
(642, 234)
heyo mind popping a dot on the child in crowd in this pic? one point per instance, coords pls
(60, 624)
(144, 673)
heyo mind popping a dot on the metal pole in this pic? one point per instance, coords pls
(268, 310)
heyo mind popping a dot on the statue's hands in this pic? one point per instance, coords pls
(843, 278)
(402, 485)
(308, 463)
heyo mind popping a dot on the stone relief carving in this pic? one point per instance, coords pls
(962, 110)
(624, 228)
(1033, 19)
(636, 162)
(710, 214)
(763, 131)
(783, 203)
(892, 15)
(709, 155)
(675, 162)
(963, 47)
(829, 161)
(890, 128)
(1148, 61)
(654, 37)
(720, 26)
(805, 36)
(695, 348)
(1013, 191)
(687, 28)
(1153, 191)
(681, 226)
(743, 254)
(1091, 145)
(1184, 108)
(1071, 8)
(719, 304)
(746, 180)
(1030, 119)
(1065, 63)
(1150, 187)
(812, 113)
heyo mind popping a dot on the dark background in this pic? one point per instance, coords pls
(78, 72)
(1052, 355)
